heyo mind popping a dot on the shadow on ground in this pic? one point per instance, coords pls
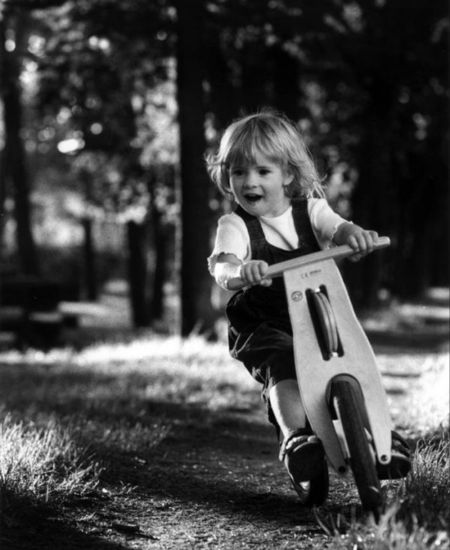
(28, 526)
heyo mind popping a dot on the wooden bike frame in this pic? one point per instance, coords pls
(354, 357)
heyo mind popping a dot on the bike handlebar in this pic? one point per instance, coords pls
(343, 251)
(336, 253)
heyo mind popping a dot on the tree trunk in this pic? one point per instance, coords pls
(14, 154)
(2, 152)
(89, 264)
(3, 178)
(159, 273)
(372, 201)
(89, 267)
(138, 274)
(2, 202)
(196, 309)
(286, 93)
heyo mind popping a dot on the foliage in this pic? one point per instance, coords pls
(366, 81)
(325, 67)
(93, 80)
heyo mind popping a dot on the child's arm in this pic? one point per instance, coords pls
(361, 240)
(232, 274)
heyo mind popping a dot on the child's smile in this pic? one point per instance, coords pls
(259, 187)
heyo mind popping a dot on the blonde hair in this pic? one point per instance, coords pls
(274, 136)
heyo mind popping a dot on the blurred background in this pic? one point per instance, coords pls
(107, 109)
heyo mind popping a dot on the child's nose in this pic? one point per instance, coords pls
(252, 179)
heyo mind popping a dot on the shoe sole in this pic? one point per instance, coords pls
(305, 462)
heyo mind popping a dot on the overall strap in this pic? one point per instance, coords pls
(300, 215)
(256, 234)
(303, 226)
(262, 250)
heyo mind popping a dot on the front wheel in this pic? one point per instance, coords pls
(349, 406)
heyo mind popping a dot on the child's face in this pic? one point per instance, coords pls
(259, 187)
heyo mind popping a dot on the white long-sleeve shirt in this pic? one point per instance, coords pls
(232, 236)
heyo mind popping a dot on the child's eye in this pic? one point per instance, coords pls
(263, 171)
(236, 172)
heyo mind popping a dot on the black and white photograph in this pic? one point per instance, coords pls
(224, 275)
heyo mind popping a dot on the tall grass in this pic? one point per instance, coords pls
(425, 493)
(42, 464)
(418, 517)
(390, 534)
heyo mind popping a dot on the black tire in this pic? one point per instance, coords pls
(315, 491)
(347, 401)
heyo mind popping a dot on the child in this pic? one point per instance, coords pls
(264, 166)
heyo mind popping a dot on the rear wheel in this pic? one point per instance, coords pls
(349, 406)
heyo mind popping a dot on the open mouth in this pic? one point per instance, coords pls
(252, 197)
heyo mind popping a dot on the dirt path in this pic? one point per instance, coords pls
(215, 482)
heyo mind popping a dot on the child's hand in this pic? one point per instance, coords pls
(361, 240)
(253, 273)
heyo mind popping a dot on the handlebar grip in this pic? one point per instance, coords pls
(345, 250)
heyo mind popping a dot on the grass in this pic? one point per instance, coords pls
(42, 464)
(390, 534)
(419, 511)
(425, 493)
(82, 408)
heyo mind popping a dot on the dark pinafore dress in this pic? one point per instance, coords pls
(260, 332)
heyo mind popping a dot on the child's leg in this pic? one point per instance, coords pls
(300, 451)
(287, 406)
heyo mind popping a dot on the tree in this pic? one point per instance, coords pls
(367, 92)
(13, 172)
(195, 226)
(99, 70)
(398, 71)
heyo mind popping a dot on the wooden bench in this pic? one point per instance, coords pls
(29, 309)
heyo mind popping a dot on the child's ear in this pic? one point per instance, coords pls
(288, 182)
(290, 177)
(227, 190)
(227, 187)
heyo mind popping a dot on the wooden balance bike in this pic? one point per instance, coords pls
(339, 381)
